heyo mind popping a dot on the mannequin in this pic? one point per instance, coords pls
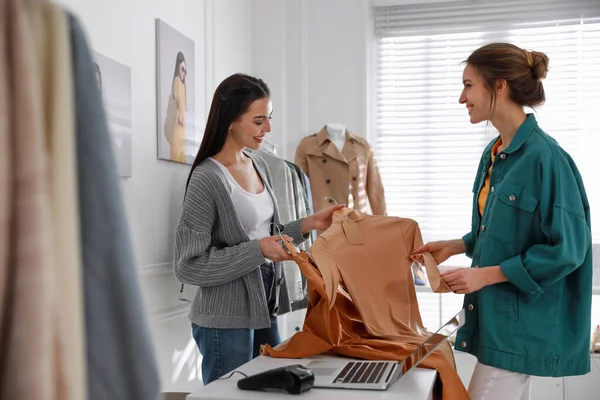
(337, 134)
(341, 167)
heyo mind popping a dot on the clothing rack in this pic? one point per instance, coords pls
(73, 320)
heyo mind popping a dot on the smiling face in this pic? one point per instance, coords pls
(250, 129)
(475, 95)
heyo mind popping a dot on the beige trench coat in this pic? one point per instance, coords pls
(350, 177)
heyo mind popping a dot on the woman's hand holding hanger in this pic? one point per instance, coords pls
(272, 248)
(320, 221)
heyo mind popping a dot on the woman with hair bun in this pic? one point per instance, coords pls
(528, 292)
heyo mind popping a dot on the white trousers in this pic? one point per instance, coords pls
(491, 383)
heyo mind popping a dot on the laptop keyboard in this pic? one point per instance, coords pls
(361, 372)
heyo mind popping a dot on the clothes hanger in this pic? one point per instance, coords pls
(350, 227)
(278, 227)
(335, 203)
(289, 246)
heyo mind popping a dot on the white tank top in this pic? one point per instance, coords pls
(254, 210)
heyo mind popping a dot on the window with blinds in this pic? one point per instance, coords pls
(428, 151)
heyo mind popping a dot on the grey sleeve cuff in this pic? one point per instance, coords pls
(294, 230)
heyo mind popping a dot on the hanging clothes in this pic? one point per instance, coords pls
(120, 354)
(67, 278)
(26, 220)
(41, 317)
(362, 300)
(299, 198)
(300, 190)
(283, 187)
(54, 48)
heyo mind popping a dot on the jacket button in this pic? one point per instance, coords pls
(328, 181)
(463, 344)
(470, 307)
(353, 178)
(512, 197)
(324, 161)
(503, 156)
(482, 228)
(493, 189)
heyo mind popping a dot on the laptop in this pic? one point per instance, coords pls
(378, 375)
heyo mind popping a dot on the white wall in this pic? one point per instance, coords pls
(125, 31)
(336, 51)
(314, 56)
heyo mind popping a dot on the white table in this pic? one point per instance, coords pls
(417, 384)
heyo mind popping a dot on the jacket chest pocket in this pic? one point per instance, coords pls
(512, 213)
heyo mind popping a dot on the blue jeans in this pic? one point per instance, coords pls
(224, 350)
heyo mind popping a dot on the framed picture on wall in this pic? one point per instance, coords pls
(114, 82)
(176, 97)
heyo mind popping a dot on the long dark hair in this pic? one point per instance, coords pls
(231, 100)
(180, 59)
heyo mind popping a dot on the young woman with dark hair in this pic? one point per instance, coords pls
(225, 244)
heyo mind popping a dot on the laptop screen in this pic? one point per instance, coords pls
(433, 341)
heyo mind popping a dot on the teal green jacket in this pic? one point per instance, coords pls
(536, 226)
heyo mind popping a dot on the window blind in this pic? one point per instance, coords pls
(426, 148)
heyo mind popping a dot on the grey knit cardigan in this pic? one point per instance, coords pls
(213, 252)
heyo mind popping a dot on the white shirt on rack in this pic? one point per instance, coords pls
(254, 210)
